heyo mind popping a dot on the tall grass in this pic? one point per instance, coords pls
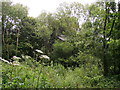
(39, 76)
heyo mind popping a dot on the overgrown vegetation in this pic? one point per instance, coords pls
(57, 76)
(78, 46)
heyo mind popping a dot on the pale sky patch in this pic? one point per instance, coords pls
(37, 6)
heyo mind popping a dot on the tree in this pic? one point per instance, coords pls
(11, 24)
(27, 36)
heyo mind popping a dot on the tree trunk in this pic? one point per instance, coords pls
(7, 44)
(105, 65)
(17, 41)
(119, 15)
(3, 30)
(52, 39)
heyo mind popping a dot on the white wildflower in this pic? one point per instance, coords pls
(4, 60)
(16, 58)
(39, 51)
(12, 63)
(26, 57)
(45, 57)
(15, 63)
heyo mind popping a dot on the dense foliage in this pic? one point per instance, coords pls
(26, 76)
(78, 46)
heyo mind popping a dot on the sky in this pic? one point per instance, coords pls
(37, 6)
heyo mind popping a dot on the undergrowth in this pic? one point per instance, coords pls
(39, 76)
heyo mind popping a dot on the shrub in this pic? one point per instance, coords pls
(62, 50)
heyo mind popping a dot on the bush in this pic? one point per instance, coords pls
(62, 50)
